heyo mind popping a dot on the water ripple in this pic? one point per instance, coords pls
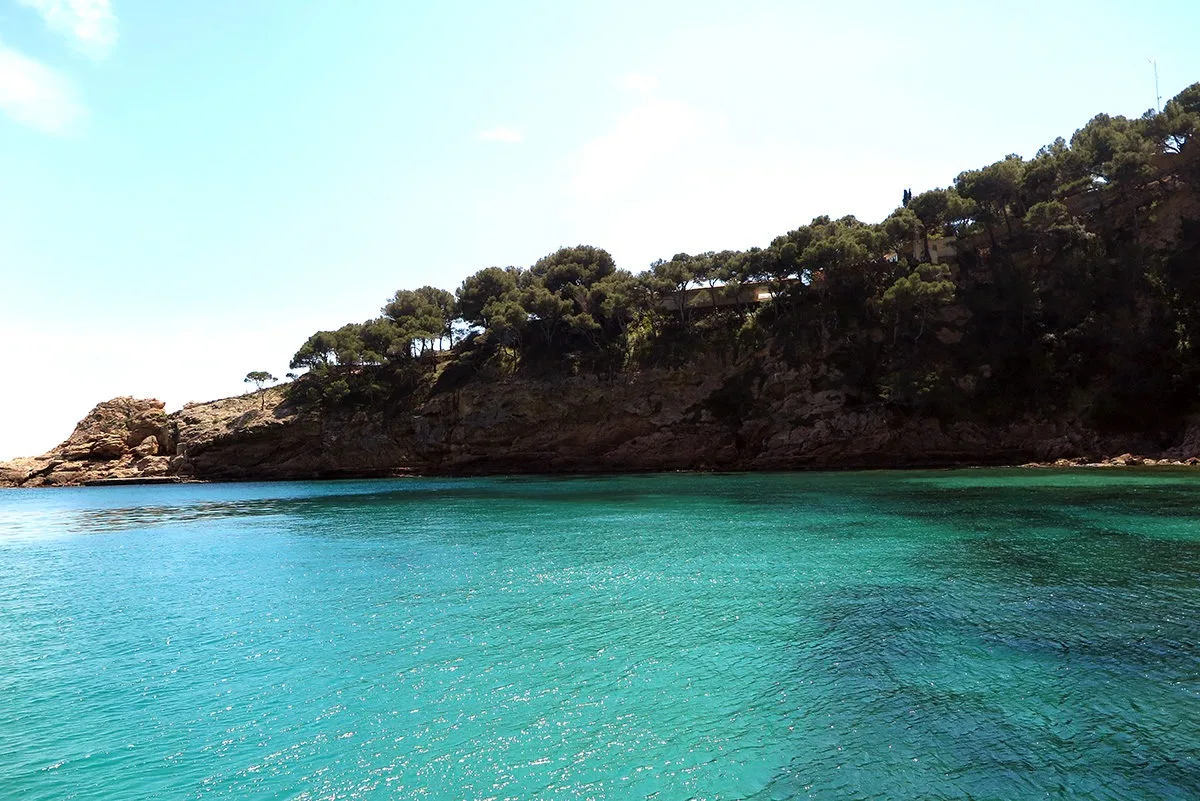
(941, 635)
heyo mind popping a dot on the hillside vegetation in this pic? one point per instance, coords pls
(1068, 283)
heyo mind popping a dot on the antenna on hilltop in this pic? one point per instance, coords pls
(1157, 96)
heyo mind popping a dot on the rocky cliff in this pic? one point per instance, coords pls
(120, 439)
(1066, 334)
(707, 417)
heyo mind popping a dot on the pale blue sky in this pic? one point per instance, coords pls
(189, 189)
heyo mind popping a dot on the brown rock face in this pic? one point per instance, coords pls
(763, 416)
(147, 447)
(115, 440)
(108, 446)
(753, 416)
(114, 427)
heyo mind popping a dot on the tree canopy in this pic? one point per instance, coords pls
(260, 378)
(1055, 272)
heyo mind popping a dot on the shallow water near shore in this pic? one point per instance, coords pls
(987, 634)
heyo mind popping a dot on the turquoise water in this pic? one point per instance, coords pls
(975, 634)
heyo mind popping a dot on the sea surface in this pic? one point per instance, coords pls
(982, 634)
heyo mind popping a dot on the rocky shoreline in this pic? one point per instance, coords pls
(1124, 460)
(707, 418)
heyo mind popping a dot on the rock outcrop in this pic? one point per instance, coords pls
(124, 438)
(708, 417)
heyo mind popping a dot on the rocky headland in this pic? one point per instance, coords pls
(707, 417)
(1042, 310)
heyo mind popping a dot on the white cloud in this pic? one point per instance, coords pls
(35, 95)
(640, 144)
(637, 83)
(728, 135)
(668, 176)
(509, 136)
(90, 24)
